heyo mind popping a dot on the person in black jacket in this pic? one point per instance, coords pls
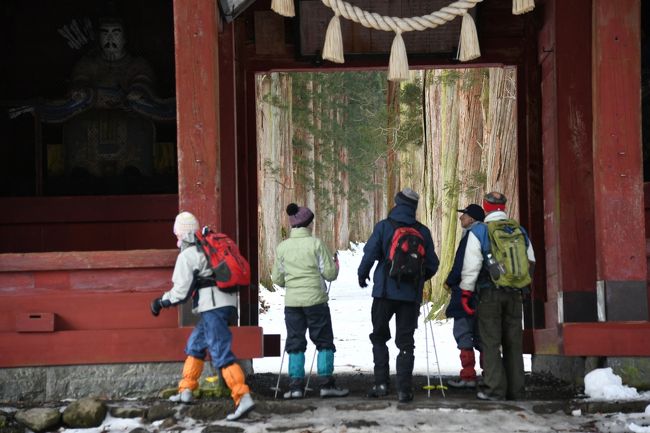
(392, 296)
(462, 309)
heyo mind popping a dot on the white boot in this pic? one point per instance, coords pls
(246, 404)
(185, 396)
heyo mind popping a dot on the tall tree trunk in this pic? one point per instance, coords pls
(453, 127)
(470, 127)
(342, 218)
(393, 123)
(446, 184)
(500, 137)
(275, 166)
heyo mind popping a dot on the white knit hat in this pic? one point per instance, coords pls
(185, 223)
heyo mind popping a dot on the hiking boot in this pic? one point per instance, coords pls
(380, 390)
(246, 404)
(293, 393)
(185, 396)
(462, 383)
(486, 396)
(404, 396)
(333, 391)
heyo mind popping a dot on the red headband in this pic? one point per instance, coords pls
(491, 207)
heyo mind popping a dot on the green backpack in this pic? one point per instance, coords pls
(509, 248)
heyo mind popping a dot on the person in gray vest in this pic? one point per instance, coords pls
(499, 309)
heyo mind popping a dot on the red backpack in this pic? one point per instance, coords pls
(231, 270)
(406, 254)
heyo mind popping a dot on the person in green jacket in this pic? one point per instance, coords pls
(302, 266)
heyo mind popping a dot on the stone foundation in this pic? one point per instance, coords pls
(110, 381)
(634, 371)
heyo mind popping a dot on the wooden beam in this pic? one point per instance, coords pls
(76, 260)
(606, 339)
(113, 346)
(87, 209)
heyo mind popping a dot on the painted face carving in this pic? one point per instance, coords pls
(112, 40)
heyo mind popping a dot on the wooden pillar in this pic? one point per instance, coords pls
(565, 60)
(618, 173)
(228, 136)
(197, 101)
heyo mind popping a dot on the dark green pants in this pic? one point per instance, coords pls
(499, 324)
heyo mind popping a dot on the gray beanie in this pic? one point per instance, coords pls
(408, 197)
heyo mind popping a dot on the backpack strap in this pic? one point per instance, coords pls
(396, 224)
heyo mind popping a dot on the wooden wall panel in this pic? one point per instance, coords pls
(86, 223)
(117, 346)
(75, 311)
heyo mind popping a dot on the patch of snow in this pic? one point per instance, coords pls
(111, 424)
(602, 383)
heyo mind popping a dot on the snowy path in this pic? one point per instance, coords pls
(350, 307)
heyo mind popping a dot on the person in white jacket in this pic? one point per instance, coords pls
(499, 310)
(193, 277)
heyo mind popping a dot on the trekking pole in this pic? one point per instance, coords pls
(307, 388)
(311, 368)
(426, 343)
(435, 351)
(277, 384)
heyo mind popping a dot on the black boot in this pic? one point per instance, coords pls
(329, 389)
(380, 390)
(404, 396)
(296, 388)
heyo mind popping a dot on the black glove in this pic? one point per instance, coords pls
(363, 281)
(156, 306)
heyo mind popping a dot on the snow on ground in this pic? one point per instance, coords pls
(350, 308)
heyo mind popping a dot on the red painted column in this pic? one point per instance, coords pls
(197, 101)
(565, 60)
(618, 174)
(228, 135)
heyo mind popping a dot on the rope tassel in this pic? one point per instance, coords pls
(398, 65)
(522, 6)
(283, 7)
(333, 48)
(468, 48)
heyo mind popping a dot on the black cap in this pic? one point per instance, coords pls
(475, 211)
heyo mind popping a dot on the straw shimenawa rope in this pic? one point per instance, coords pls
(468, 47)
(398, 69)
(391, 24)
